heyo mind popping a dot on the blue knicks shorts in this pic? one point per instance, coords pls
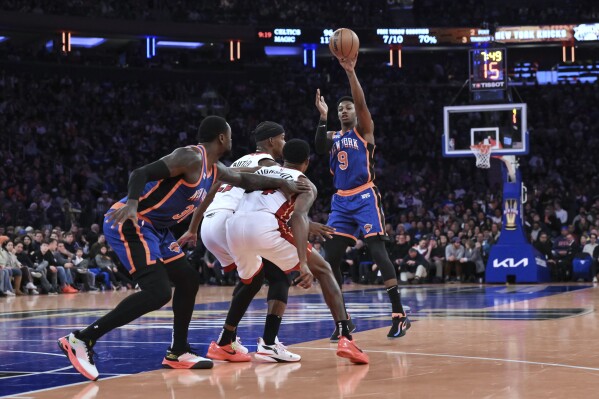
(357, 212)
(141, 245)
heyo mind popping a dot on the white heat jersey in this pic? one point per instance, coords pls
(272, 201)
(228, 196)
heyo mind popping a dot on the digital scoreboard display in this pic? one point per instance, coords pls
(488, 69)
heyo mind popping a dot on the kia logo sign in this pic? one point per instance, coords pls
(510, 262)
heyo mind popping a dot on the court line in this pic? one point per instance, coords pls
(35, 373)
(18, 396)
(492, 359)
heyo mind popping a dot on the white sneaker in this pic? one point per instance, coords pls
(9, 293)
(34, 292)
(31, 286)
(595, 279)
(275, 353)
(80, 354)
(238, 346)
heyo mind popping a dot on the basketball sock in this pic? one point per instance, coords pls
(271, 328)
(226, 337)
(343, 327)
(395, 299)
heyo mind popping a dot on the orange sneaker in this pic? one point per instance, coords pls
(67, 289)
(226, 353)
(349, 350)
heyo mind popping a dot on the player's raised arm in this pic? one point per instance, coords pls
(322, 141)
(183, 161)
(365, 124)
(251, 181)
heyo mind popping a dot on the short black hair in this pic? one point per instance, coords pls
(210, 128)
(266, 130)
(296, 151)
(345, 98)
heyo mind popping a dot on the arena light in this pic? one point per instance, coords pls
(173, 44)
(87, 42)
(3, 38)
(274, 51)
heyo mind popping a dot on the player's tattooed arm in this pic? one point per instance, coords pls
(251, 181)
(323, 140)
(300, 228)
(182, 161)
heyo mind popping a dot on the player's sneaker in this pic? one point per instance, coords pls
(238, 347)
(226, 353)
(80, 354)
(187, 360)
(336, 334)
(349, 350)
(401, 324)
(277, 353)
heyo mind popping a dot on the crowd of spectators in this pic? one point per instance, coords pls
(322, 13)
(69, 144)
(264, 12)
(506, 13)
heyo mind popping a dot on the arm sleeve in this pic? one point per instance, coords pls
(140, 176)
(321, 142)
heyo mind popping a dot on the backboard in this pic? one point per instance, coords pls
(502, 125)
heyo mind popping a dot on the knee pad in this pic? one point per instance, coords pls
(278, 291)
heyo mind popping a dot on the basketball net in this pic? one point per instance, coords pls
(482, 152)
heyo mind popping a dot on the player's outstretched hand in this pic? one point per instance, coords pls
(119, 216)
(188, 238)
(295, 187)
(349, 63)
(321, 231)
(321, 106)
(305, 278)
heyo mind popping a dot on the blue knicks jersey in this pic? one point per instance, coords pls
(167, 202)
(351, 160)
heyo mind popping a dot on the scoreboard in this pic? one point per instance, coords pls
(487, 69)
(418, 37)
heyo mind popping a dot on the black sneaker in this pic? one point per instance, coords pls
(337, 333)
(400, 326)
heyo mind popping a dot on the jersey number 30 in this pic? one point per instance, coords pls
(342, 158)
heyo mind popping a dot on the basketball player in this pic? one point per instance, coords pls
(356, 208)
(270, 139)
(160, 195)
(258, 230)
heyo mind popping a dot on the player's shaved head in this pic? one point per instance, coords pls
(211, 127)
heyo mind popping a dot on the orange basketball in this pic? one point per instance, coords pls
(344, 43)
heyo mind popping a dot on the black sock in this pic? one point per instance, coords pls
(343, 327)
(395, 299)
(227, 337)
(271, 328)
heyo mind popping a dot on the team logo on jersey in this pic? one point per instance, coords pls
(198, 195)
(174, 247)
(367, 228)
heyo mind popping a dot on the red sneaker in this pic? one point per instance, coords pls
(349, 350)
(227, 353)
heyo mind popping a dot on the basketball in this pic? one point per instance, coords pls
(344, 43)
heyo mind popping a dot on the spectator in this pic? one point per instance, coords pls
(414, 266)
(453, 253)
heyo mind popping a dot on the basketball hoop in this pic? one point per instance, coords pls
(482, 152)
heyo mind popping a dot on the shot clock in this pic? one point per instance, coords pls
(488, 69)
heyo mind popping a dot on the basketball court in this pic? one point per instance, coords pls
(476, 341)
